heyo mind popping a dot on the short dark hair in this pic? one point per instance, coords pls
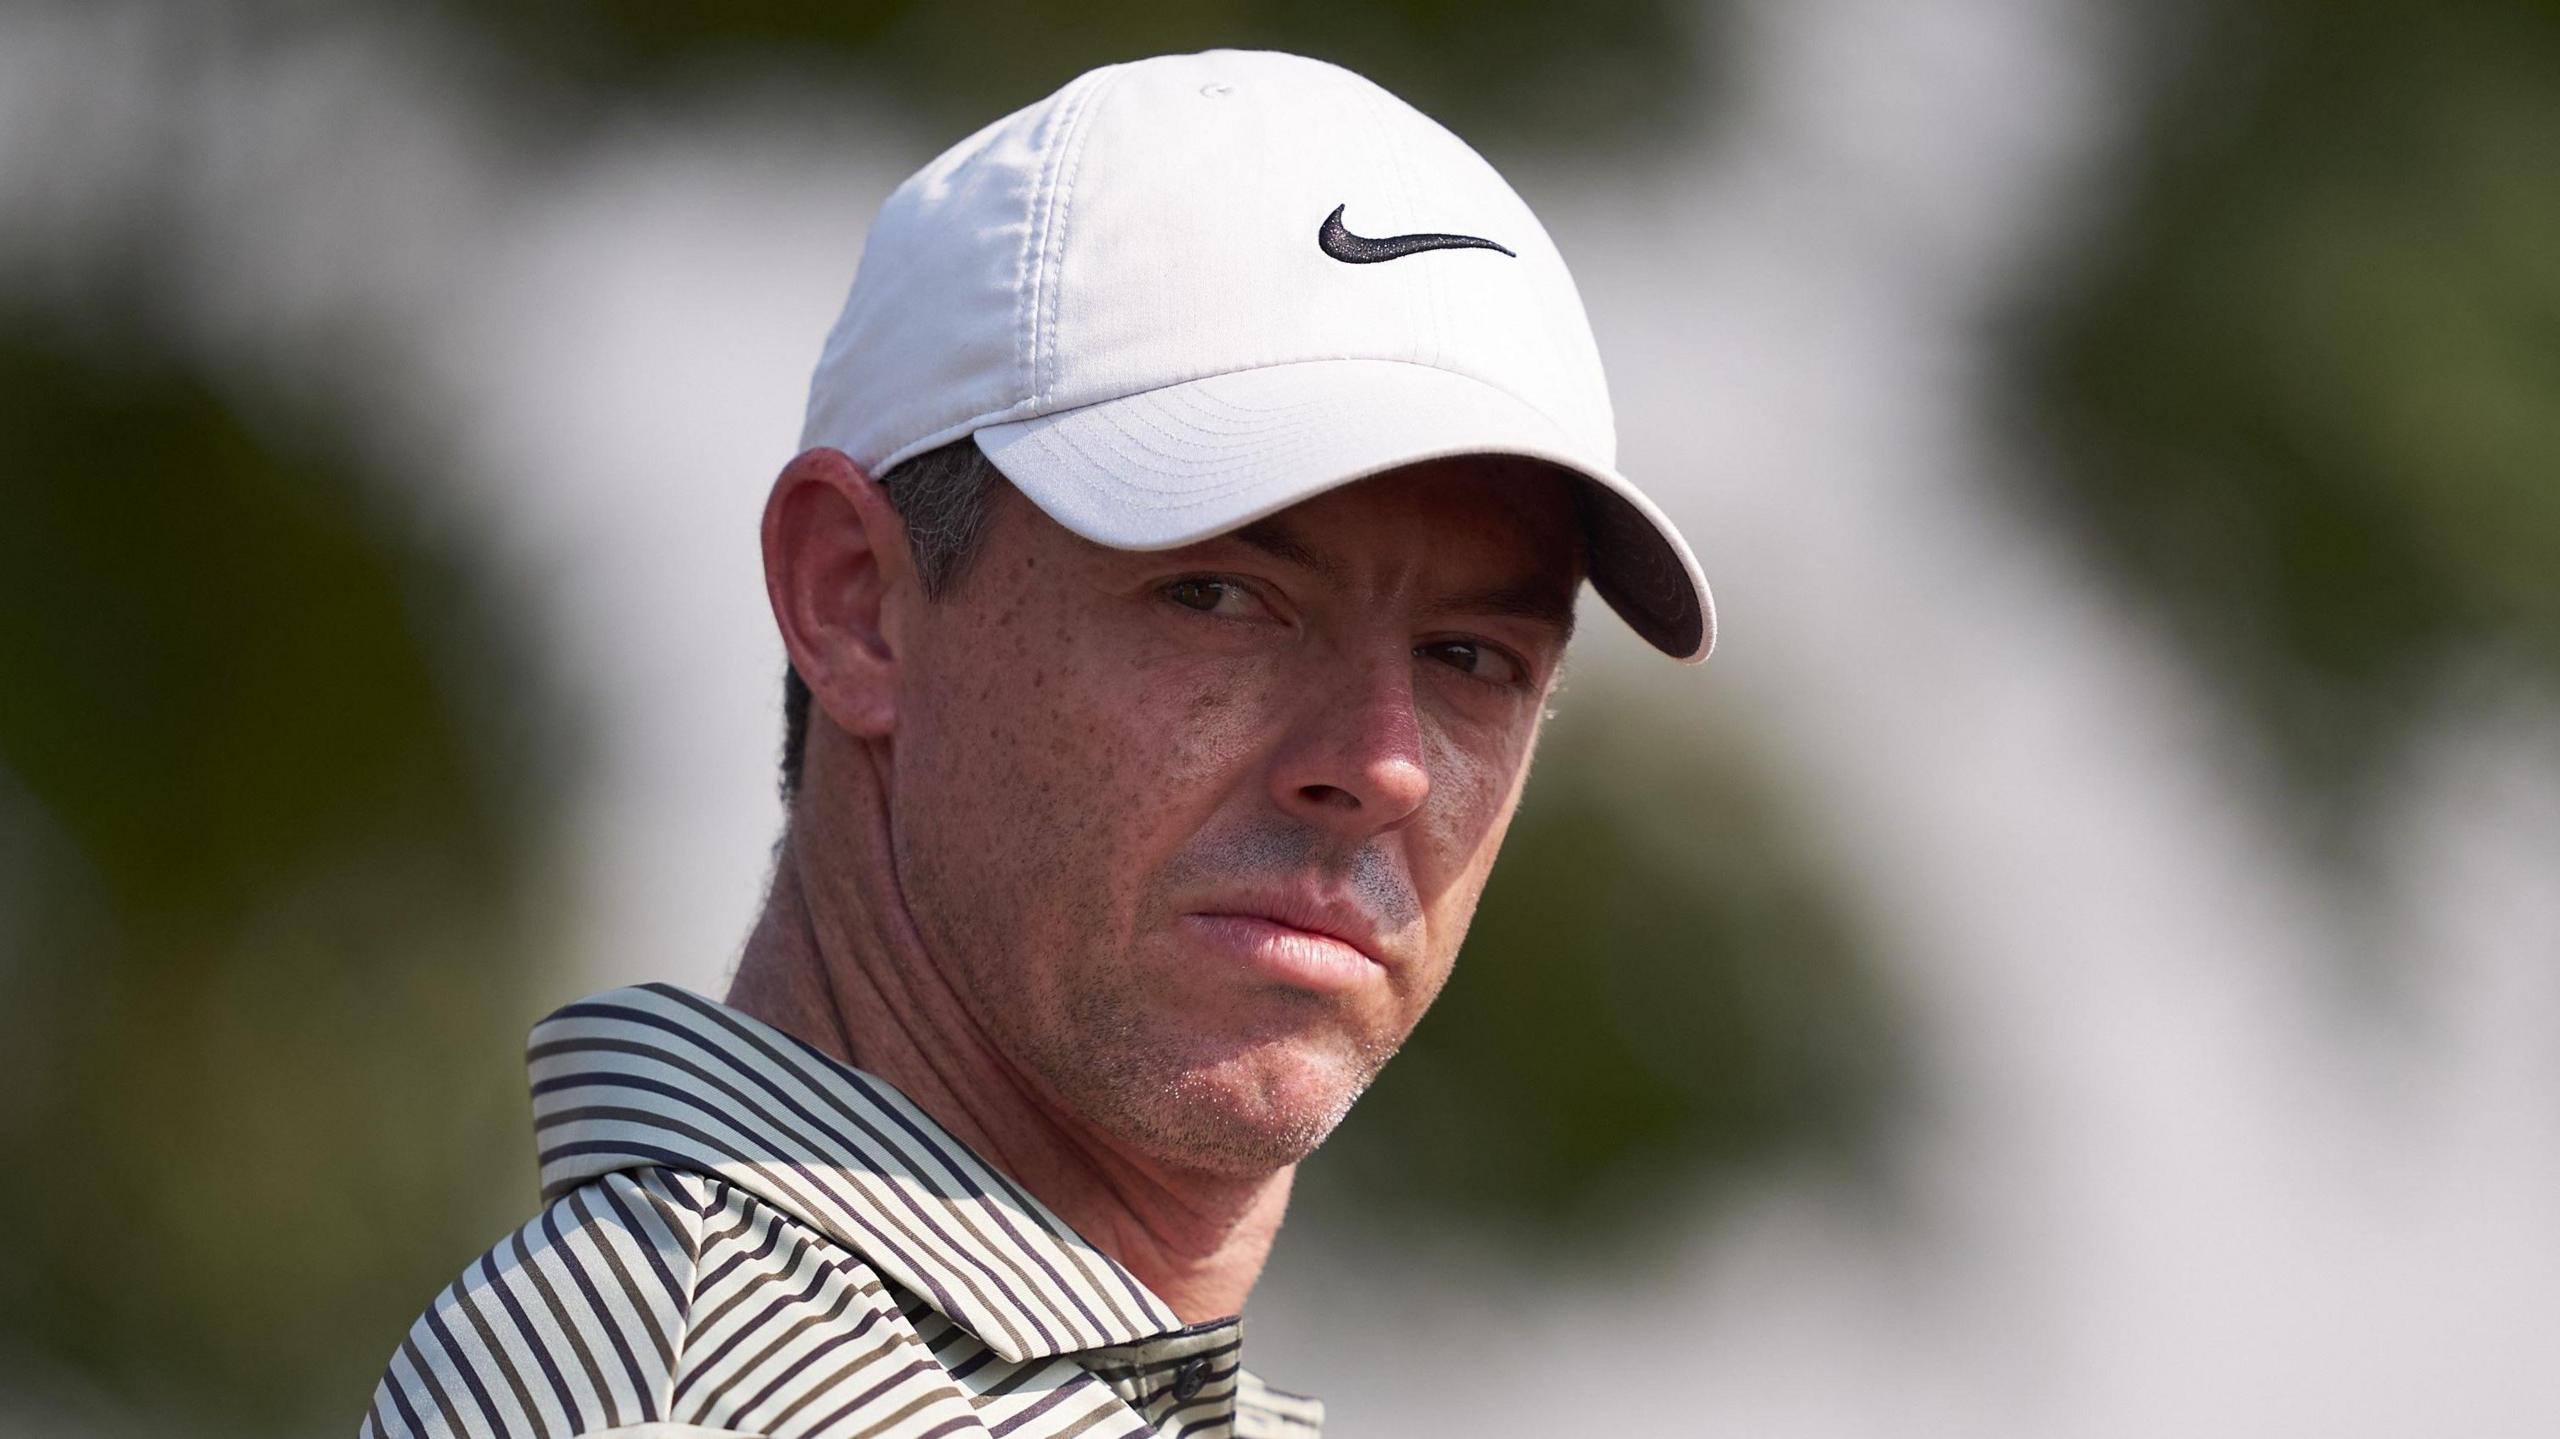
(945, 496)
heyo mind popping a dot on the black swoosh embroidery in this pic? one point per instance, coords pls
(1353, 249)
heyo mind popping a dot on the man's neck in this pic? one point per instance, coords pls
(846, 972)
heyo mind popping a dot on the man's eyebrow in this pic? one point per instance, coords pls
(1542, 603)
(1272, 537)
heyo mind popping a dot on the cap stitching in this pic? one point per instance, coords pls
(1039, 311)
(1030, 274)
(1054, 243)
(1026, 274)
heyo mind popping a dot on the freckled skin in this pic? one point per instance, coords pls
(1081, 758)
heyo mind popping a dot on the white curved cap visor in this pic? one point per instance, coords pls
(1178, 464)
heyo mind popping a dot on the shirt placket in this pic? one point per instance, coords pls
(1184, 1382)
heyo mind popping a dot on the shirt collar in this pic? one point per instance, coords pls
(654, 1076)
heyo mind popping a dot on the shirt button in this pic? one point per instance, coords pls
(1188, 1379)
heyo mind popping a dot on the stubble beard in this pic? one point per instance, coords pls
(1105, 1051)
(1111, 1054)
(1238, 1113)
(1116, 1074)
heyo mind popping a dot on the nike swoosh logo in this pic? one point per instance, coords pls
(1353, 249)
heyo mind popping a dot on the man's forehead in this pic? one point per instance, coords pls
(1474, 510)
(1475, 536)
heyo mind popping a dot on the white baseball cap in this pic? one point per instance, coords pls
(1184, 293)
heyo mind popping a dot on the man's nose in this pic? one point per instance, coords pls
(1354, 762)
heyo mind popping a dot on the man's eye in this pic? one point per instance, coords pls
(1207, 595)
(1476, 661)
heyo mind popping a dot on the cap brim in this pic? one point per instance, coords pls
(1171, 466)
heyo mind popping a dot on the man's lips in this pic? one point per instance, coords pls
(1308, 941)
(1327, 919)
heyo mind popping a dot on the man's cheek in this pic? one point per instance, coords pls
(1462, 824)
(1181, 727)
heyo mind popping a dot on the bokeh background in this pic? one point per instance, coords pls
(2084, 959)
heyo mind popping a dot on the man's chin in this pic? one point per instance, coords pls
(1235, 1094)
(1246, 1115)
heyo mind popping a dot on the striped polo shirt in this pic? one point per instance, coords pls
(743, 1236)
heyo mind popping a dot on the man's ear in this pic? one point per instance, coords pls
(836, 569)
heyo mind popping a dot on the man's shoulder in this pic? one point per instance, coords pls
(650, 1297)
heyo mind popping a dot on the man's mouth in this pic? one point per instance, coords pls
(1300, 939)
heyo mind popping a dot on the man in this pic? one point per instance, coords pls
(1195, 494)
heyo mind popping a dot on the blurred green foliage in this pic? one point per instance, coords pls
(1525, 70)
(268, 802)
(1662, 993)
(2308, 390)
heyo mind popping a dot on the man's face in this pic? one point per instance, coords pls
(1196, 833)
